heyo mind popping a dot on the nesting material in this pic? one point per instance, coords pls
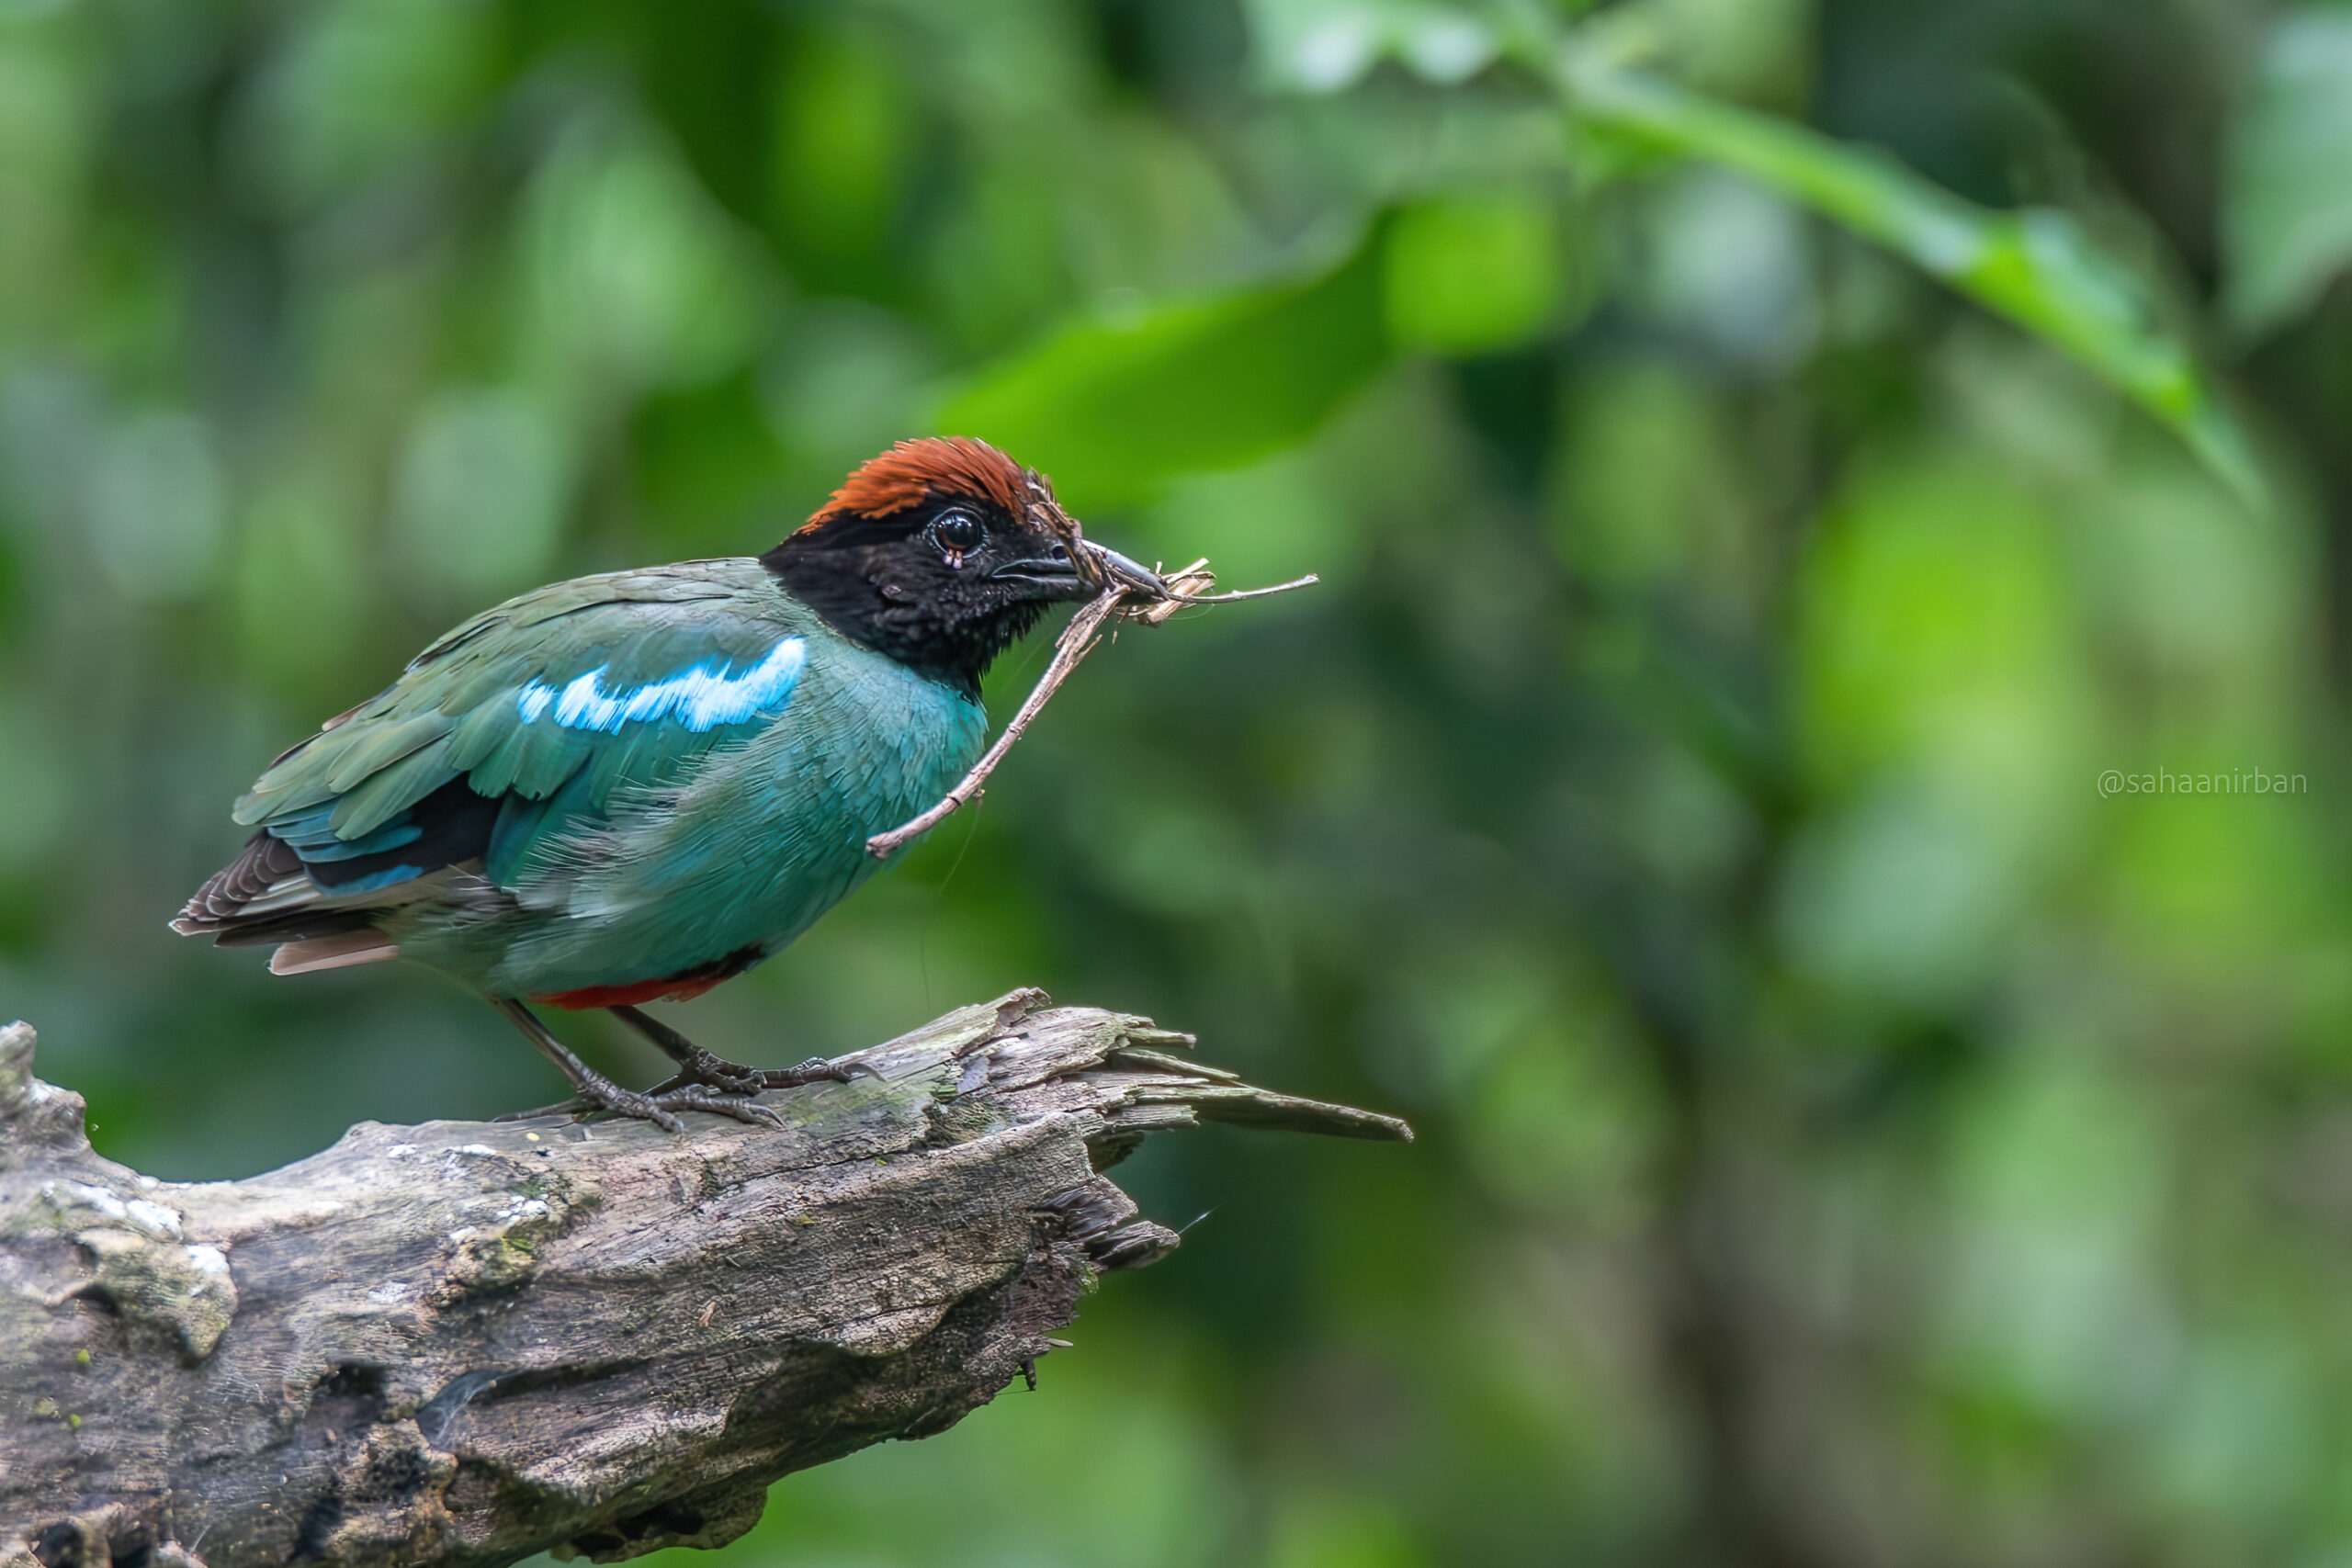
(1121, 599)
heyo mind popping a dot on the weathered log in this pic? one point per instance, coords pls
(462, 1343)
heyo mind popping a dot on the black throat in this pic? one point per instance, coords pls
(938, 625)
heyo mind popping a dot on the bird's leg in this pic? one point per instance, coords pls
(696, 1065)
(594, 1091)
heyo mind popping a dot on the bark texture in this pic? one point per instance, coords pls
(461, 1343)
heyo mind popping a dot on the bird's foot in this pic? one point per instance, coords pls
(696, 1065)
(593, 1091)
(816, 1069)
(740, 1107)
(716, 1072)
(656, 1106)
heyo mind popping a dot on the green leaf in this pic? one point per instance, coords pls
(2036, 267)
(1113, 409)
(2286, 190)
(1468, 274)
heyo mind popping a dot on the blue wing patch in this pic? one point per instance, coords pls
(700, 698)
(516, 776)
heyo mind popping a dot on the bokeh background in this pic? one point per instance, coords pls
(1850, 1135)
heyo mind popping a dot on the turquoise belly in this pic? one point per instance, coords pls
(735, 862)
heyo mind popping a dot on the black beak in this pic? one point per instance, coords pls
(1119, 568)
(1051, 576)
(1061, 575)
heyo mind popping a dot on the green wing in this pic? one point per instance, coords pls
(520, 725)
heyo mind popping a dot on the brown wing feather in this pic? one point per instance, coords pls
(220, 905)
(263, 863)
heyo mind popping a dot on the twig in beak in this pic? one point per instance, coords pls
(1120, 596)
(1192, 585)
(1076, 641)
(1309, 580)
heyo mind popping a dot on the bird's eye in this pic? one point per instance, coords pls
(958, 534)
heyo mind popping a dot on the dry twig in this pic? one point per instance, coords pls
(1120, 597)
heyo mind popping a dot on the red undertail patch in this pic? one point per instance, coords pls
(671, 988)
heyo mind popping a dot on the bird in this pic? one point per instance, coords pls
(629, 788)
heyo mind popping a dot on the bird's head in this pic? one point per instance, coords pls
(941, 552)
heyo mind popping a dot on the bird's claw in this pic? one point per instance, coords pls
(816, 1069)
(719, 1073)
(743, 1109)
(657, 1106)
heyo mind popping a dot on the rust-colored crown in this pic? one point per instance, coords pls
(945, 465)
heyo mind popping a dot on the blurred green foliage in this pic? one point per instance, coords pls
(1850, 1135)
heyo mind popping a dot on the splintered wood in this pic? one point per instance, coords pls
(1120, 600)
(459, 1344)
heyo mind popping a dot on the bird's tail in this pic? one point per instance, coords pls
(266, 895)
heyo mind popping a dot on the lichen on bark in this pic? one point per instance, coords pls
(462, 1343)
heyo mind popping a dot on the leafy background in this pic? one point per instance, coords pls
(1766, 459)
